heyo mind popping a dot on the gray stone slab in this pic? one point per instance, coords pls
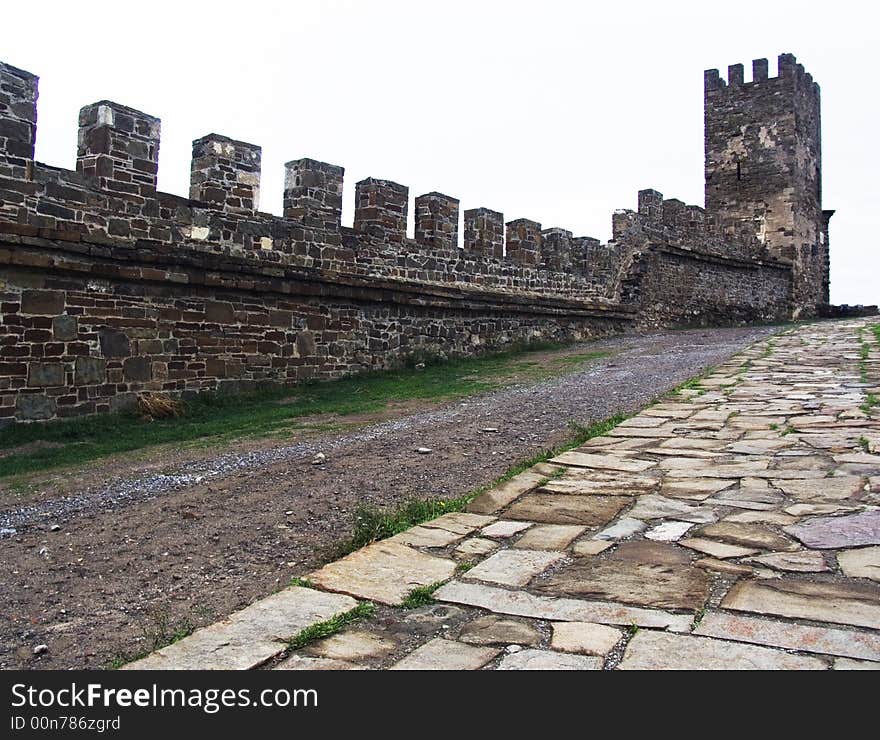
(250, 637)
(747, 535)
(839, 532)
(446, 655)
(662, 651)
(476, 547)
(459, 522)
(513, 567)
(603, 462)
(716, 549)
(822, 489)
(639, 572)
(524, 604)
(553, 508)
(384, 571)
(653, 506)
(497, 498)
(548, 660)
(804, 638)
(847, 664)
(297, 662)
(419, 536)
(621, 529)
(503, 529)
(671, 531)
(852, 603)
(352, 646)
(584, 482)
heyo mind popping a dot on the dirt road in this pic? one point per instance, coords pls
(106, 558)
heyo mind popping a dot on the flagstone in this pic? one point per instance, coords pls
(724, 566)
(668, 531)
(803, 561)
(420, 536)
(621, 529)
(459, 522)
(836, 487)
(384, 571)
(847, 664)
(809, 639)
(550, 537)
(548, 660)
(504, 528)
(654, 506)
(761, 517)
(250, 637)
(587, 638)
(852, 603)
(513, 567)
(297, 662)
(497, 498)
(716, 549)
(638, 572)
(590, 547)
(555, 508)
(747, 535)
(802, 510)
(650, 650)
(603, 462)
(491, 629)
(861, 563)
(692, 443)
(446, 655)
(476, 546)
(558, 609)
(352, 646)
(585, 482)
(841, 531)
(693, 488)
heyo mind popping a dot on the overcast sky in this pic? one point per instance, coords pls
(555, 111)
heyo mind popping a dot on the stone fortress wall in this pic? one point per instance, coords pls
(109, 287)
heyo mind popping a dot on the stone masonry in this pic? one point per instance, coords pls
(109, 288)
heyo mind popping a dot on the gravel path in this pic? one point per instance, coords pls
(97, 569)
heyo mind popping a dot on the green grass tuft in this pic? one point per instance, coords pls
(420, 596)
(364, 610)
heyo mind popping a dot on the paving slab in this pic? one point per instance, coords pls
(557, 609)
(847, 664)
(804, 638)
(716, 549)
(670, 531)
(603, 462)
(419, 536)
(494, 630)
(352, 646)
(476, 547)
(590, 547)
(384, 571)
(513, 567)
(550, 537)
(842, 531)
(503, 529)
(851, 603)
(650, 650)
(861, 563)
(724, 566)
(654, 506)
(822, 489)
(747, 535)
(586, 638)
(638, 572)
(582, 482)
(621, 529)
(551, 508)
(250, 637)
(446, 655)
(803, 561)
(548, 660)
(497, 498)
(297, 662)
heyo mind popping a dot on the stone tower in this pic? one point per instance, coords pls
(764, 169)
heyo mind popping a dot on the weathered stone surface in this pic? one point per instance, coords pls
(852, 603)
(696, 489)
(547, 660)
(861, 563)
(747, 535)
(251, 636)
(847, 664)
(549, 537)
(503, 529)
(590, 547)
(804, 561)
(524, 604)
(45, 374)
(90, 371)
(446, 655)
(587, 638)
(761, 517)
(476, 546)
(590, 511)
(585, 481)
(459, 522)
(621, 529)
(384, 571)
(64, 328)
(637, 572)
(837, 532)
(114, 343)
(352, 646)
(514, 567)
(495, 630)
(716, 549)
(602, 462)
(723, 566)
(497, 498)
(760, 631)
(671, 531)
(833, 488)
(419, 536)
(42, 302)
(661, 651)
(297, 662)
(34, 407)
(658, 507)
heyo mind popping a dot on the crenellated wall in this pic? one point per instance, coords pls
(109, 287)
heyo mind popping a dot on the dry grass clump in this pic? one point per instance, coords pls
(158, 406)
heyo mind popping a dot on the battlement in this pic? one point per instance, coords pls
(791, 75)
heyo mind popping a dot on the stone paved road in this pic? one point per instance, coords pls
(735, 525)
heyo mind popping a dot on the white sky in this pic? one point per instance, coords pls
(559, 111)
